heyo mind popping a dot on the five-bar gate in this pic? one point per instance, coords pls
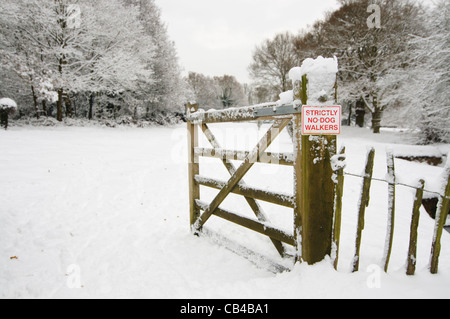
(200, 211)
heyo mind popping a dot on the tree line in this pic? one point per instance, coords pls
(393, 58)
(216, 92)
(105, 59)
(93, 59)
(114, 59)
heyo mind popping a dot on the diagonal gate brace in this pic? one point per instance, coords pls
(251, 159)
(257, 209)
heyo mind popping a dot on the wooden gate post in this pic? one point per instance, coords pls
(298, 185)
(315, 189)
(194, 167)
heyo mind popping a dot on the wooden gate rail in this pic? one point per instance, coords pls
(260, 227)
(247, 191)
(286, 159)
(243, 114)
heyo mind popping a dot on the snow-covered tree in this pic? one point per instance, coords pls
(258, 94)
(106, 50)
(272, 61)
(118, 57)
(231, 92)
(368, 50)
(167, 92)
(217, 92)
(204, 90)
(421, 86)
(22, 62)
(7, 107)
(369, 38)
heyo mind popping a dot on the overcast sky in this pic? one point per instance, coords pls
(217, 37)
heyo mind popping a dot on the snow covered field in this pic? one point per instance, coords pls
(103, 213)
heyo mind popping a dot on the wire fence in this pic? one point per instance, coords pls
(417, 187)
(442, 211)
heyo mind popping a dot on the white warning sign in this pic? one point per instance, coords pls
(321, 120)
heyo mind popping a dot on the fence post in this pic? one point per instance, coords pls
(338, 211)
(441, 217)
(315, 189)
(193, 166)
(364, 202)
(391, 209)
(412, 253)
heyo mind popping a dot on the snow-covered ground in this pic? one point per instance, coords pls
(103, 213)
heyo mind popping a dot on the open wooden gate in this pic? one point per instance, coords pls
(313, 199)
(303, 236)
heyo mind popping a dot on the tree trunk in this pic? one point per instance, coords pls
(68, 103)
(376, 120)
(91, 105)
(350, 115)
(360, 112)
(4, 118)
(135, 114)
(44, 107)
(59, 113)
(376, 116)
(36, 108)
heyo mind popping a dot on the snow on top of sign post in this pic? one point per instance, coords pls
(320, 65)
(6, 103)
(321, 74)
